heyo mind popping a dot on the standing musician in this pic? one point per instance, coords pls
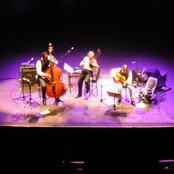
(41, 65)
(124, 79)
(88, 63)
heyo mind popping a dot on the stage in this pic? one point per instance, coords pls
(91, 133)
(94, 110)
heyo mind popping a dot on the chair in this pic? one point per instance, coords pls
(93, 81)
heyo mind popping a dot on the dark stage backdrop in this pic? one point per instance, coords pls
(27, 26)
(30, 25)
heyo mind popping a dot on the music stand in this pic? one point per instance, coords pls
(70, 71)
(115, 95)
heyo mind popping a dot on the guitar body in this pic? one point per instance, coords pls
(118, 78)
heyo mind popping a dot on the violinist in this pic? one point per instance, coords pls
(88, 63)
(41, 65)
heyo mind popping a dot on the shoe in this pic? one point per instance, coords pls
(119, 101)
(87, 96)
(58, 100)
(44, 102)
(87, 91)
(133, 102)
(78, 96)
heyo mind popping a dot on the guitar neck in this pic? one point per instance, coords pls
(98, 53)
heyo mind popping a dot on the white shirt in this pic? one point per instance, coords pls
(39, 66)
(86, 63)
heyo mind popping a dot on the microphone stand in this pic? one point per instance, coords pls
(30, 100)
(60, 58)
(101, 99)
(22, 84)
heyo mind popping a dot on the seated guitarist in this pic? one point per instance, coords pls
(124, 79)
(88, 63)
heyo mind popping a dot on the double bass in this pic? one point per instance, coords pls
(55, 88)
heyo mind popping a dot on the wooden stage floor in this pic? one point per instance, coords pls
(93, 111)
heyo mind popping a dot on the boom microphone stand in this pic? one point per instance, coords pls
(60, 58)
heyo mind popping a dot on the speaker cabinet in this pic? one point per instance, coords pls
(28, 72)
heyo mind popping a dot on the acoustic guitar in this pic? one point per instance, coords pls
(118, 78)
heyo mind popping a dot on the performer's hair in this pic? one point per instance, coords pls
(44, 53)
(125, 66)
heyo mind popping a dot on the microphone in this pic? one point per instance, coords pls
(71, 49)
(30, 60)
(143, 72)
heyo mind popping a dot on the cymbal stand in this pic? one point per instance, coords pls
(30, 100)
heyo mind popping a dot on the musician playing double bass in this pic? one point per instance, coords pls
(41, 65)
(123, 78)
(89, 62)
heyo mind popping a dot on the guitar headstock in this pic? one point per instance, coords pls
(50, 48)
(99, 51)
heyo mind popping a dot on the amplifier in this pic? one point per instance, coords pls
(28, 72)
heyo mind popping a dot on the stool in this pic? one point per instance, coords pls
(125, 89)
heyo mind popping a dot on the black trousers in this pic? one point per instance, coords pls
(43, 83)
(86, 74)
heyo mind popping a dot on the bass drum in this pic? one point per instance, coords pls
(139, 76)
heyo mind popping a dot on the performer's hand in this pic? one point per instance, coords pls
(124, 83)
(95, 64)
(48, 75)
